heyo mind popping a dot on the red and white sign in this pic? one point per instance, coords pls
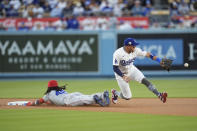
(136, 22)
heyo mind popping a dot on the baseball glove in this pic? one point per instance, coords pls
(166, 63)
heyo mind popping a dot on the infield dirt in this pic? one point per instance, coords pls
(174, 106)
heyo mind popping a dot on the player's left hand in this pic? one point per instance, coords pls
(166, 63)
(126, 79)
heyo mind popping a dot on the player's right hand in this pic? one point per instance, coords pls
(126, 79)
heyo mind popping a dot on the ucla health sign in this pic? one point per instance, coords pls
(179, 46)
(169, 48)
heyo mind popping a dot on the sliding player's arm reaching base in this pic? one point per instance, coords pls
(125, 71)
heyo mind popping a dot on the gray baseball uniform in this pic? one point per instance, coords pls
(70, 99)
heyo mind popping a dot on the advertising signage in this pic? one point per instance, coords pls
(49, 53)
(180, 47)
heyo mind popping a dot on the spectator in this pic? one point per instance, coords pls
(88, 24)
(2, 28)
(22, 27)
(56, 12)
(72, 23)
(53, 3)
(183, 8)
(174, 8)
(38, 11)
(123, 25)
(117, 10)
(137, 10)
(12, 12)
(38, 27)
(62, 4)
(102, 23)
(88, 11)
(78, 9)
(126, 11)
(15, 3)
(2, 11)
(113, 2)
(23, 10)
(30, 10)
(68, 10)
(6, 6)
(187, 21)
(47, 9)
(194, 23)
(107, 8)
(175, 21)
(147, 9)
(193, 5)
(155, 25)
(95, 8)
(50, 27)
(112, 22)
(145, 2)
(60, 25)
(27, 2)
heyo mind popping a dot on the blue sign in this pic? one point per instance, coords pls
(169, 48)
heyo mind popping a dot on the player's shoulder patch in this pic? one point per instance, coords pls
(116, 62)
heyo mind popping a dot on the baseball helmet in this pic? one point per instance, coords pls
(130, 41)
(52, 83)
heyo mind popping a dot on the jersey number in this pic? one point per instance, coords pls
(60, 92)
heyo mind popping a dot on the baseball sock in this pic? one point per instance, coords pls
(150, 86)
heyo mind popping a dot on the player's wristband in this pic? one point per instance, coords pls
(158, 60)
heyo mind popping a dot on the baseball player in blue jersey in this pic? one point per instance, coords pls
(58, 96)
(125, 71)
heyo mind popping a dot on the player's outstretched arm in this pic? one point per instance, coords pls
(153, 57)
(36, 102)
(164, 62)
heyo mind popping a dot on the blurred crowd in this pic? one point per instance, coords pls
(70, 10)
(180, 13)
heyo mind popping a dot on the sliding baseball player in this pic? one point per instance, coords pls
(58, 96)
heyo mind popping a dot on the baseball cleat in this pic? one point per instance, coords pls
(98, 100)
(163, 96)
(114, 96)
(106, 98)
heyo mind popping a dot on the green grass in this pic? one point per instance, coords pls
(62, 120)
(36, 88)
(65, 120)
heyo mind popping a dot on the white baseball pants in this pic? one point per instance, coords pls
(134, 74)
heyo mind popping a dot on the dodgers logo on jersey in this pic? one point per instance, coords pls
(125, 63)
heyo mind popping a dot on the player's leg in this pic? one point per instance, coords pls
(137, 75)
(77, 99)
(162, 96)
(150, 86)
(102, 98)
(125, 92)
